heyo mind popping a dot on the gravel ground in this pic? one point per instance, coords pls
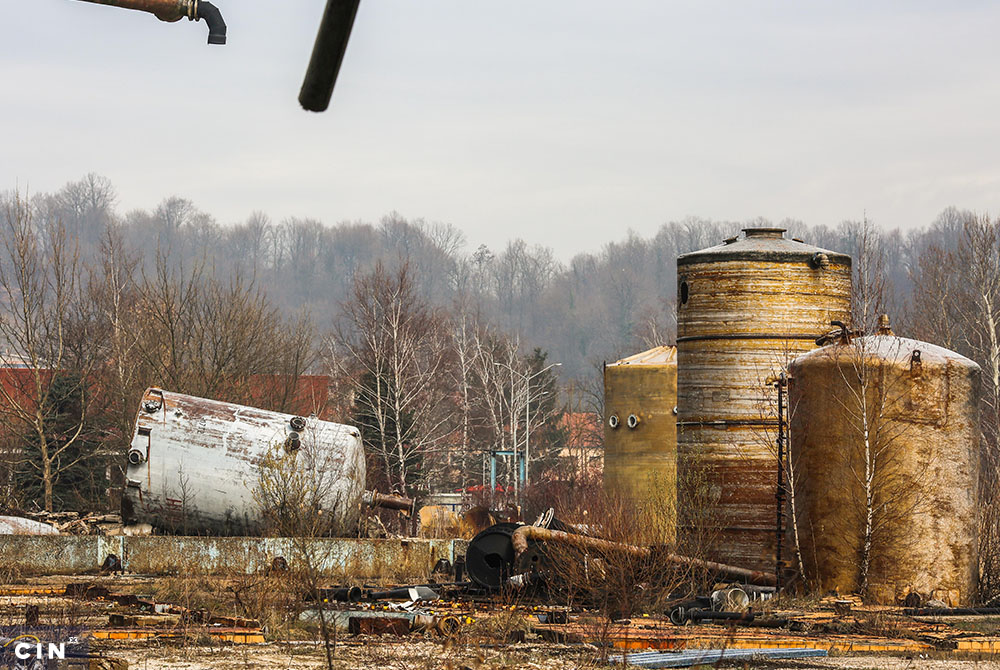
(373, 654)
(881, 663)
(400, 655)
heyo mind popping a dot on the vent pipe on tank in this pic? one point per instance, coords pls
(773, 233)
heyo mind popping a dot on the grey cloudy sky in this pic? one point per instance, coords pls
(561, 121)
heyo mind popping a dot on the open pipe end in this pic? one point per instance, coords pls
(216, 24)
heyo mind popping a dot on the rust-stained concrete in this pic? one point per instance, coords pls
(78, 554)
(746, 308)
(640, 460)
(923, 436)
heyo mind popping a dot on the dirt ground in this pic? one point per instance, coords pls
(397, 655)
(479, 646)
(405, 655)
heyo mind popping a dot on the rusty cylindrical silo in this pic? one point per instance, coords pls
(745, 309)
(195, 465)
(640, 434)
(885, 447)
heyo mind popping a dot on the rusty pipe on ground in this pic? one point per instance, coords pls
(386, 501)
(175, 10)
(521, 536)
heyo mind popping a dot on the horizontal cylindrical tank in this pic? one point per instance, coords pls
(885, 450)
(746, 308)
(199, 466)
(640, 430)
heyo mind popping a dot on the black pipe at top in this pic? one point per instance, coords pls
(328, 53)
(216, 24)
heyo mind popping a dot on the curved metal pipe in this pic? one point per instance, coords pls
(521, 536)
(175, 10)
(213, 17)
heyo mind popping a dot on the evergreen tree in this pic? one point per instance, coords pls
(76, 479)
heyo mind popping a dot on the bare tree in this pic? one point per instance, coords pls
(466, 356)
(44, 310)
(976, 311)
(298, 491)
(116, 299)
(394, 347)
(496, 362)
(216, 338)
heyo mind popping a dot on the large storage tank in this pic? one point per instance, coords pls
(194, 464)
(746, 308)
(918, 405)
(640, 429)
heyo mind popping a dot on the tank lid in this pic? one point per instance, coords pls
(891, 348)
(766, 245)
(663, 355)
(765, 232)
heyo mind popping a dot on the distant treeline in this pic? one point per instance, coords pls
(599, 306)
(441, 352)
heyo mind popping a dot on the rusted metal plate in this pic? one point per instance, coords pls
(746, 309)
(194, 463)
(923, 427)
(381, 625)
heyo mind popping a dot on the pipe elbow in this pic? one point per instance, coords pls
(519, 539)
(213, 17)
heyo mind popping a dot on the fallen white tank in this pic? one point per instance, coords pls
(18, 525)
(195, 465)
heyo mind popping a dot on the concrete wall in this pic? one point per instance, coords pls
(81, 554)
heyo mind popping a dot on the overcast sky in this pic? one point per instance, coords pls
(565, 122)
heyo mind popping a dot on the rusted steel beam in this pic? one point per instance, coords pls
(175, 10)
(522, 535)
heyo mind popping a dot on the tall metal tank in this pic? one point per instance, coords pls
(640, 428)
(746, 308)
(920, 414)
(194, 464)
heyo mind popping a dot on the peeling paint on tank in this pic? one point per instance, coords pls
(923, 423)
(193, 463)
(747, 309)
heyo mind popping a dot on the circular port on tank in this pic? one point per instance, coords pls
(684, 292)
(613, 421)
(297, 423)
(135, 456)
(633, 421)
(820, 261)
(293, 442)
